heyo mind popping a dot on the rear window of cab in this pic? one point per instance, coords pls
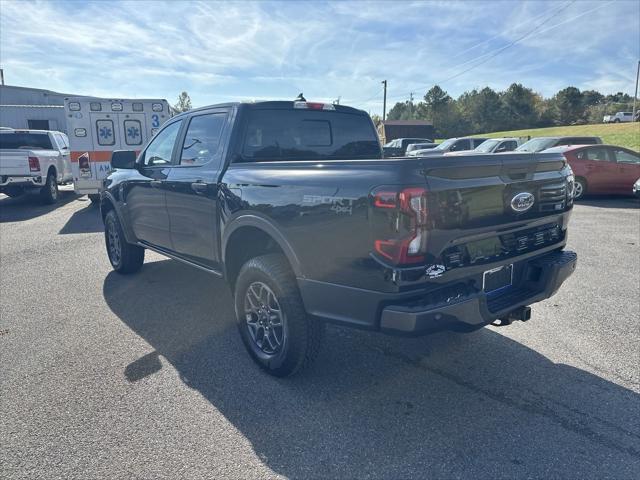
(273, 135)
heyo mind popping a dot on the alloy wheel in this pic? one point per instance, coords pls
(264, 317)
(115, 247)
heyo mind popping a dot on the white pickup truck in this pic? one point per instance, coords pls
(34, 161)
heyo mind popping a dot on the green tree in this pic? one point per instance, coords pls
(519, 106)
(592, 97)
(481, 111)
(569, 107)
(397, 111)
(183, 104)
(440, 109)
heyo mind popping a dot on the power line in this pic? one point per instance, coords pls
(497, 52)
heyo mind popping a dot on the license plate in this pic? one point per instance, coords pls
(497, 278)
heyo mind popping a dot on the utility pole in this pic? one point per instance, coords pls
(384, 102)
(411, 106)
(635, 95)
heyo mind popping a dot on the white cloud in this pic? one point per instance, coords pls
(221, 51)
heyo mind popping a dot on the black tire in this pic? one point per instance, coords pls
(94, 198)
(617, 120)
(580, 188)
(301, 335)
(49, 193)
(124, 257)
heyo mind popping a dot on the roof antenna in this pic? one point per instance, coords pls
(300, 98)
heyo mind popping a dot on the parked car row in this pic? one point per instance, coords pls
(399, 146)
(599, 169)
(463, 144)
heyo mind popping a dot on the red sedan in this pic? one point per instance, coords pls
(602, 169)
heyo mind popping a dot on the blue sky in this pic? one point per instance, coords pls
(226, 51)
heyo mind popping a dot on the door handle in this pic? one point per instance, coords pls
(199, 187)
(156, 183)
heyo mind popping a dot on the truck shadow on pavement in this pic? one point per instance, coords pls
(86, 220)
(448, 405)
(28, 206)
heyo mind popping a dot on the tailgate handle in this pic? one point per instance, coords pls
(518, 174)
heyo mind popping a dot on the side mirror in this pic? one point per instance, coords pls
(123, 159)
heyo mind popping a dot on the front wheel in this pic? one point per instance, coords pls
(94, 198)
(273, 323)
(49, 193)
(124, 257)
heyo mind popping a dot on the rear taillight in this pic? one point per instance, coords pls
(405, 238)
(34, 164)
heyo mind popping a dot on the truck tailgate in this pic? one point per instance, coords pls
(15, 162)
(478, 201)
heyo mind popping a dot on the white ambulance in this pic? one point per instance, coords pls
(98, 126)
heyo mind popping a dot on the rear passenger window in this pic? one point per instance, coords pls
(133, 132)
(273, 135)
(623, 156)
(203, 139)
(105, 132)
(595, 154)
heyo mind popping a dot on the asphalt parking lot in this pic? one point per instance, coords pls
(145, 376)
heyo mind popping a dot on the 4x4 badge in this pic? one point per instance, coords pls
(435, 271)
(522, 202)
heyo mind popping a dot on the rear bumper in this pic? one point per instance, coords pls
(539, 280)
(22, 180)
(459, 305)
(84, 186)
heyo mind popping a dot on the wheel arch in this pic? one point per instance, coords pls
(108, 203)
(249, 236)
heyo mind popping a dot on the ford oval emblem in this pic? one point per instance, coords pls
(522, 202)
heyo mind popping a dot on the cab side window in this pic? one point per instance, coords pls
(160, 150)
(202, 142)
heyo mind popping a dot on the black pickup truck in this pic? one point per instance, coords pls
(293, 204)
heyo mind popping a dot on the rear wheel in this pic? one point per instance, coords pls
(49, 193)
(94, 198)
(580, 188)
(274, 326)
(124, 257)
